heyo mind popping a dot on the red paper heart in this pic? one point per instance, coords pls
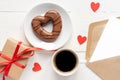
(95, 6)
(36, 67)
(81, 39)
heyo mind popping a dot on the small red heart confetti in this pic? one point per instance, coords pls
(36, 67)
(81, 39)
(95, 6)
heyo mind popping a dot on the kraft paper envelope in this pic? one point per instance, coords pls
(107, 69)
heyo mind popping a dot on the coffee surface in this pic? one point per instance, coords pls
(65, 61)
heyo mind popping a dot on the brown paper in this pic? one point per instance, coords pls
(8, 50)
(107, 69)
(94, 34)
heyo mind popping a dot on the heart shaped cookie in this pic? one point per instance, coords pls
(39, 21)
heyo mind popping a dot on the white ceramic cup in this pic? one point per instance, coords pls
(65, 62)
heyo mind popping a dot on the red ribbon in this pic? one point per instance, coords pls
(16, 56)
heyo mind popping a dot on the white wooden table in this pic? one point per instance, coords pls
(13, 12)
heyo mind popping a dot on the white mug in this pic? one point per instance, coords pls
(65, 62)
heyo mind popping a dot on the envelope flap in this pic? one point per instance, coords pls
(107, 69)
(94, 33)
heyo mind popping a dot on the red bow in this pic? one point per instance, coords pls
(16, 56)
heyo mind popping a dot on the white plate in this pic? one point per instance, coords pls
(65, 34)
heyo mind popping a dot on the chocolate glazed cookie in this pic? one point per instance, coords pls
(39, 21)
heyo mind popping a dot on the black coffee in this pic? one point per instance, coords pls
(65, 61)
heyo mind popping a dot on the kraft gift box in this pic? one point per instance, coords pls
(106, 69)
(8, 50)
